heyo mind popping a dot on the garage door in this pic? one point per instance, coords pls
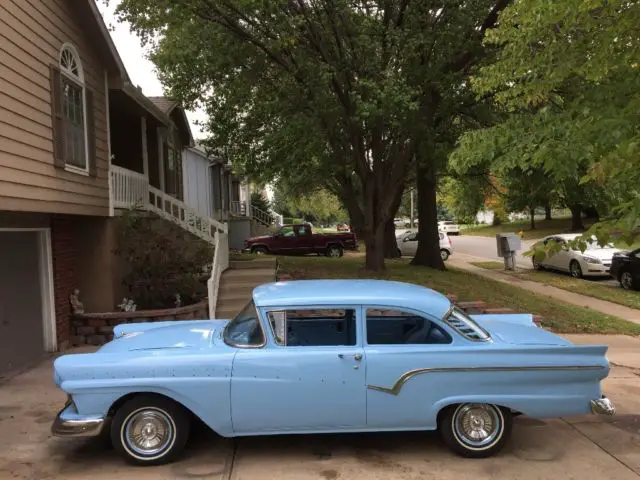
(21, 325)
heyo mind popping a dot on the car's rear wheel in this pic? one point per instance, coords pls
(444, 254)
(399, 253)
(476, 430)
(575, 269)
(334, 251)
(260, 250)
(537, 265)
(627, 282)
(150, 430)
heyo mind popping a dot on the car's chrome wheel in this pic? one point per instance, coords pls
(334, 251)
(476, 425)
(626, 280)
(444, 254)
(575, 269)
(476, 429)
(150, 430)
(536, 263)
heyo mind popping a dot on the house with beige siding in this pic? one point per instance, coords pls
(79, 145)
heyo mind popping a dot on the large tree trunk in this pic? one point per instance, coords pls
(547, 212)
(532, 214)
(428, 253)
(390, 243)
(576, 218)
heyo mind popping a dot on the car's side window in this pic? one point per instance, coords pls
(313, 327)
(287, 232)
(412, 237)
(396, 327)
(302, 231)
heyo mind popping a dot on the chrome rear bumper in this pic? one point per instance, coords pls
(69, 423)
(602, 406)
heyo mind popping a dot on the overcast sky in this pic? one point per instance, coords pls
(140, 69)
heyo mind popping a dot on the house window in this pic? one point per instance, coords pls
(72, 111)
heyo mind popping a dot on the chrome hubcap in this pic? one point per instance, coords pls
(148, 432)
(334, 252)
(626, 280)
(575, 270)
(477, 425)
(443, 254)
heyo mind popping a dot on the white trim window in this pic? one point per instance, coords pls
(72, 114)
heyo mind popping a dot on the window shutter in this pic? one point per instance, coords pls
(57, 124)
(91, 133)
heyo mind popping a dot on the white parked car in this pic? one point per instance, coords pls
(450, 228)
(595, 261)
(408, 244)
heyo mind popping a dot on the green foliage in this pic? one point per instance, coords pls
(319, 206)
(463, 197)
(566, 77)
(161, 260)
(259, 201)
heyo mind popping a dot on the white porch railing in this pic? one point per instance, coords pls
(261, 216)
(129, 189)
(179, 212)
(238, 208)
(220, 264)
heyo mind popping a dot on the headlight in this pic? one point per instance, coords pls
(591, 260)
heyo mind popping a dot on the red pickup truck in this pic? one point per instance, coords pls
(300, 240)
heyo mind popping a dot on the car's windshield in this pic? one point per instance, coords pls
(245, 330)
(464, 325)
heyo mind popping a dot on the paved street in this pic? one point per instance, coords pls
(485, 248)
(577, 448)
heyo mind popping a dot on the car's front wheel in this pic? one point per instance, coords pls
(575, 269)
(260, 250)
(476, 430)
(444, 254)
(150, 430)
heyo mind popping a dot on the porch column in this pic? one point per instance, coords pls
(161, 158)
(145, 149)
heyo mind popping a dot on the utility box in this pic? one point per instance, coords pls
(507, 245)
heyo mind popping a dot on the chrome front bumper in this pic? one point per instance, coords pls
(602, 406)
(69, 423)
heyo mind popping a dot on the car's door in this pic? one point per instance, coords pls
(410, 243)
(304, 239)
(284, 241)
(309, 377)
(557, 260)
(397, 343)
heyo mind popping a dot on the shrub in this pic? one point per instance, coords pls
(161, 260)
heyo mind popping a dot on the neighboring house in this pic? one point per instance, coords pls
(79, 145)
(57, 66)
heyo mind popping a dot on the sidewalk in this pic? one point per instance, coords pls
(462, 262)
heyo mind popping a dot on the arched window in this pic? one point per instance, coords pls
(73, 109)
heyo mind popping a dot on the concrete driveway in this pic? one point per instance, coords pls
(585, 447)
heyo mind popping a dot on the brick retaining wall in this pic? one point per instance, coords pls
(97, 328)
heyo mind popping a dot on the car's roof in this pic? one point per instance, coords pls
(351, 292)
(565, 236)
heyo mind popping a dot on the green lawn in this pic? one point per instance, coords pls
(590, 288)
(559, 317)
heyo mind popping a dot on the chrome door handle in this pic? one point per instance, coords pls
(357, 357)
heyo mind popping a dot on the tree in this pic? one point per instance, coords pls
(353, 91)
(526, 189)
(260, 202)
(567, 75)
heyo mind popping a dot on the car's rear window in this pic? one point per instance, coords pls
(465, 326)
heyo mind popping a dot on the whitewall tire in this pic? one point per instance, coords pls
(476, 430)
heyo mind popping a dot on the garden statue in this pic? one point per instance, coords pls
(127, 305)
(77, 307)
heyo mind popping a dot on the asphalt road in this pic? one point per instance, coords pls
(485, 247)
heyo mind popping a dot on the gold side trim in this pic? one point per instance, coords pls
(405, 377)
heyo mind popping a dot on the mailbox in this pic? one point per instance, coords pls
(507, 243)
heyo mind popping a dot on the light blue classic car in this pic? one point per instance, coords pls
(328, 356)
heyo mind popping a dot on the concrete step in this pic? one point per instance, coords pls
(236, 295)
(254, 279)
(236, 287)
(229, 310)
(249, 272)
(266, 262)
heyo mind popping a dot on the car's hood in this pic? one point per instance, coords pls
(257, 239)
(601, 253)
(163, 335)
(517, 329)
